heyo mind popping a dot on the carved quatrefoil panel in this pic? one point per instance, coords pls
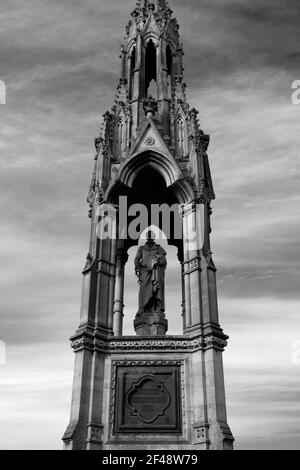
(148, 399)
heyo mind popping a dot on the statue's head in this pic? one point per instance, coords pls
(150, 236)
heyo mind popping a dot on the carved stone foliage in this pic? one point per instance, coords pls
(210, 261)
(203, 140)
(216, 342)
(91, 193)
(95, 194)
(159, 11)
(99, 194)
(191, 266)
(201, 195)
(95, 433)
(179, 95)
(88, 264)
(115, 172)
(150, 106)
(122, 91)
(195, 265)
(83, 342)
(107, 128)
(201, 433)
(186, 170)
(117, 346)
(98, 142)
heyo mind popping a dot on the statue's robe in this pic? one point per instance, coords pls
(151, 277)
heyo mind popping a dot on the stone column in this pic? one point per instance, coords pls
(220, 434)
(88, 297)
(162, 82)
(164, 70)
(121, 260)
(159, 72)
(193, 242)
(186, 274)
(112, 281)
(137, 84)
(75, 436)
(181, 261)
(106, 278)
(129, 77)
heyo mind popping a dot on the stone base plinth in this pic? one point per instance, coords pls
(151, 324)
(151, 394)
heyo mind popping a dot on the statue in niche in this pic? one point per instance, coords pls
(150, 266)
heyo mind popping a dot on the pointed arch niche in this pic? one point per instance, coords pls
(149, 187)
(150, 69)
(131, 71)
(172, 286)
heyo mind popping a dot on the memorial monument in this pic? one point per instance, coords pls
(151, 390)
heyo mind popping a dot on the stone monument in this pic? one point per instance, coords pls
(149, 391)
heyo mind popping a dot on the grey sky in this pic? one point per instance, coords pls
(60, 61)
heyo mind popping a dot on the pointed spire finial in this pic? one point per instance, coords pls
(152, 5)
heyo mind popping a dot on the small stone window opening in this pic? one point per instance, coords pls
(169, 56)
(132, 69)
(150, 70)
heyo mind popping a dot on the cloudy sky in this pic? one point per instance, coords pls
(60, 61)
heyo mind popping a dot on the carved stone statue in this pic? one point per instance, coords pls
(150, 266)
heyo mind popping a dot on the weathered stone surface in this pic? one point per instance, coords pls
(150, 391)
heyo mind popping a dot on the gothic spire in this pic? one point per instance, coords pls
(152, 87)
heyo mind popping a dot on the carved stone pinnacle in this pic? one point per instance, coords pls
(150, 106)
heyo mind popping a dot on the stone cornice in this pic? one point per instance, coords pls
(93, 342)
